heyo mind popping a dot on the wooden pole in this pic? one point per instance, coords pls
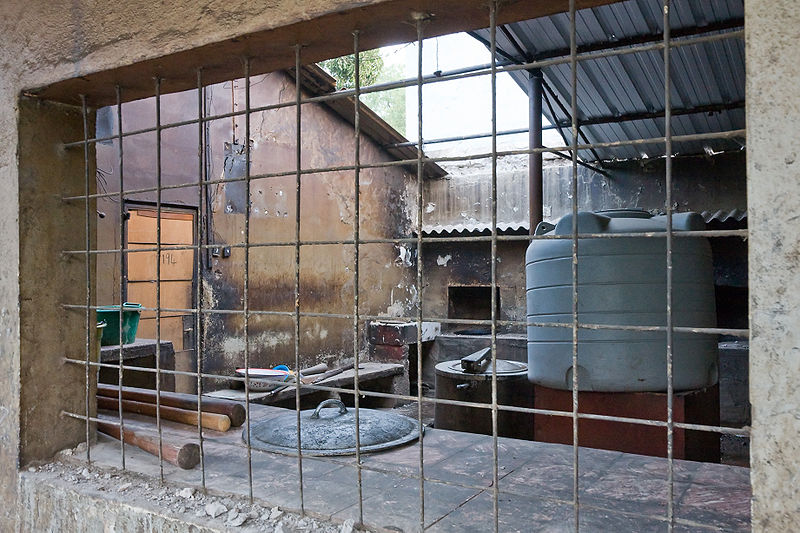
(186, 456)
(208, 420)
(233, 410)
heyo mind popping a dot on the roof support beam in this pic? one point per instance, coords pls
(535, 174)
(644, 115)
(581, 134)
(627, 117)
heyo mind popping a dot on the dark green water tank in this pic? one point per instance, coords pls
(621, 281)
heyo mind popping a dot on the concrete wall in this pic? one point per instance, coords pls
(468, 265)
(773, 188)
(44, 42)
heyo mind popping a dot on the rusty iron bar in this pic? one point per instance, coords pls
(728, 430)
(198, 296)
(495, 461)
(158, 278)
(477, 238)
(87, 258)
(400, 240)
(246, 288)
(608, 119)
(730, 134)
(469, 72)
(298, 175)
(419, 20)
(573, 45)
(668, 206)
(120, 162)
(356, 236)
(420, 161)
(462, 321)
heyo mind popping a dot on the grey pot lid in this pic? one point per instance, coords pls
(330, 429)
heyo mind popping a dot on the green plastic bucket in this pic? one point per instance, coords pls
(130, 323)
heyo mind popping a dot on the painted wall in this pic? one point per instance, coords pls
(327, 214)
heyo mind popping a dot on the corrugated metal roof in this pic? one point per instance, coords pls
(475, 229)
(705, 74)
(724, 215)
(478, 228)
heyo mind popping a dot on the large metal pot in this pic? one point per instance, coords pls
(513, 388)
(330, 429)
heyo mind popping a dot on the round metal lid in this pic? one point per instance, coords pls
(505, 369)
(330, 429)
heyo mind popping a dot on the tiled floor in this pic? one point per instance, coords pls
(618, 492)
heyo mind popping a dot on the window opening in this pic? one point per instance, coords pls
(308, 250)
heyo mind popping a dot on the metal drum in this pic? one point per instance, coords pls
(513, 388)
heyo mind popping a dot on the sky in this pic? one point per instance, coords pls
(462, 107)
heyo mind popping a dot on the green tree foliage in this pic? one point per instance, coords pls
(389, 105)
(344, 68)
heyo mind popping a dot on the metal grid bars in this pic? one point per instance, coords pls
(420, 20)
(357, 318)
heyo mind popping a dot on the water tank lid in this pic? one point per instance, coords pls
(625, 213)
(602, 223)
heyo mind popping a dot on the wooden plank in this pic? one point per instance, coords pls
(171, 330)
(175, 264)
(176, 227)
(174, 295)
(367, 372)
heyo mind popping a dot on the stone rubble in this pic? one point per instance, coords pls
(236, 514)
(214, 509)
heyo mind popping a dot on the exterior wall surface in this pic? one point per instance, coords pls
(327, 214)
(468, 265)
(773, 170)
(44, 42)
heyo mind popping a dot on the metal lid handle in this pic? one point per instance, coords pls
(327, 403)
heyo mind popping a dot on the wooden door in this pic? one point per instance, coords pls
(177, 280)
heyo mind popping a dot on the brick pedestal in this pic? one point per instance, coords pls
(694, 407)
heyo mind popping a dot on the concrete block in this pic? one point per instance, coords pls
(399, 333)
(734, 400)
